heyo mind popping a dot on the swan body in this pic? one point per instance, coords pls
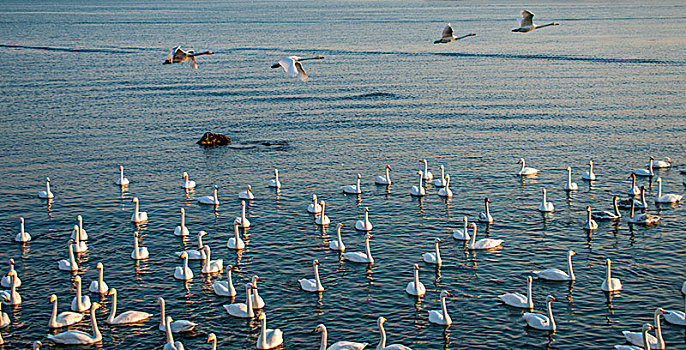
(668, 197)
(257, 301)
(441, 316)
(65, 318)
(434, 257)
(384, 179)
(293, 67)
(242, 221)
(78, 337)
(518, 300)
(540, 321)
(83, 235)
(462, 234)
(80, 303)
(194, 254)
(634, 190)
(445, 191)
(676, 317)
(382, 342)
(486, 215)
(6, 280)
(655, 342)
(268, 338)
(312, 285)
(646, 327)
(642, 204)
(590, 224)
(46, 194)
(315, 207)
(448, 36)
(176, 326)
(138, 216)
(364, 225)
(645, 172)
(526, 24)
(589, 175)
(441, 181)
(545, 206)
(212, 266)
(418, 191)
(662, 164)
(213, 339)
(247, 194)
(341, 345)
(525, 170)
(182, 230)
(484, 243)
(187, 184)
(275, 181)
(99, 286)
(570, 186)
(557, 274)
(225, 288)
(353, 189)
(359, 257)
(235, 242)
(608, 215)
(210, 200)
(415, 287)
(610, 284)
(12, 297)
(242, 310)
(171, 344)
(4, 318)
(642, 219)
(178, 55)
(338, 243)
(138, 253)
(126, 317)
(122, 181)
(79, 246)
(69, 265)
(22, 236)
(322, 219)
(183, 272)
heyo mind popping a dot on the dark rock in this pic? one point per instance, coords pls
(211, 139)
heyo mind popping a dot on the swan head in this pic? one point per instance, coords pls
(419, 173)
(529, 279)
(184, 175)
(569, 169)
(381, 320)
(543, 190)
(242, 203)
(472, 225)
(99, 266)
(314, 198)
(359, 176)
(79, 218)
(159, 300)
(422, 161)
(53, 298)
(184, 255)
(447, 177)
(464, 219)
(37, 344)
(521, 160)
(590, 162)
(608, 262)
(255, 278)
(668, 160)
(276, 171)
(135, 234)
(588, 208)
(202, 233)
(648, 327)
(315, 263)
(437, 240)
(76, 228)
(555, 24)
(249, 188)
(416, 267)
(262, 316)
(659, 179)
(11, 261)
(550, 298)
(169, 320)
(388, 167)
(112, 291)
(445, 293)
(135, 199)
(571, 253)
(21, 220)
(339, 225)
(216, 187)
(368, 237)
(319, 328)
(230, 267)
(660, 311)
(47, 179)
(486, 200)
(366, 209)
(211, 337)
(183, 211)
(77, 279)
(651, 158)
(321, 203)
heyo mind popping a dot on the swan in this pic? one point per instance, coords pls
(540, 321)
(518, 300)
(341, 345)
(642, 219)
(138, 253)
(642, 204)
(79, 246)
(644, 331)
(435, 257)
(382, 342)
(4, 318)
(171, 344)
(176, 326)
(247, 194)
(441, 316)
(570, 186)
(46, 194)
(138, 216)
(322, 219)
(183, 272)
(589, 175)
(312, 285)
(384, 179)
(6, 279)
(486, 215)
(211, 266)
(213, 339)
(610, 284)
(526, 24)
(178, 55)
(484, 243)
(126, 317)
(462, 234)
(445, 191)
(448, 37)
(83, 235)
(359, 257)
(210, 200)
(338, 244)
(99, 286)
(12, 297)
(242, 310)
(187, 184)
(225, 288)
(22, 236)
(608, 215)
(242, 221)
(292, 66)
(525, 170)
(235, 242)
(428, 176)
(666, 198)
(257, 301)
(676, 317)
(353, 189)
(275, 181)
(182, 230)
(65, 318)
(314, 207)
(193, 254)
(69, 265)
(645, 172)
(418, 191)
(80, 303)
(78, 337)
(268, 338)
(590, 224)
(364, 225)
(655, 342)
(440, 182)
(545, 206)
(122, 181)
(634, 191)
(415, 287)
(662, 164)
(557, 274)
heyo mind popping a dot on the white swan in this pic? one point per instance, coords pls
(65, 318)
(6, 282)
(557, 274)
(486, 215)
(275, 181)
(46, 194)
(545, 206)
(525, 170)
(268, 338)
(415, 287)
(441, 316)
(364, 225)
(69, 265)
(646, 328)
(518, 300)
(676, 317)
(138, 216)
(359, 257)
(138, 253)
(484, 243)
(125, 317)
(22, 236)
(187, 184)
(211, 266)
(462, 234)
(257, 301)
(78, 337)
(610, 284)
(445, 191)
(662, 164)
(314, 207)
(99, 286)
(195, 254)
(642, 219)
(210, 200)
(540, 321)
(634, 190)
(341, 345)
(178, 55)
(242, 310)
(122, 181)
(570, 186)
(526, 24)
(80, 303)
(225, 288)
(608, 215)
(440, 182)
(292, 66)
(322, 219)
(79, 246)
(590, 224)
(353, 189)
(171, 344)
(337, 244)
(645, 172)
(4, 318)
(433, 257)
(384, 179)
(242, 221)
(589, 175)
(382, 342)
(312, 285)
(427, 175)
(213, 339)
(83, 235)
(183, 272)
(668, 197)
(235, 242)
(11, 297)
(182, 230)
(655, 342)
(247, 194)
(418, 191)
(448, 37)
(176, 326)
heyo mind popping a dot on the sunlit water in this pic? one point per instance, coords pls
(84, 91)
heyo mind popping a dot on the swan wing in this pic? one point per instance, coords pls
(675, 317)
(130, 317)
(221, 288)
(308, 285)
(636, 338)
(182, 326)
(447, 32)
(288, 65)
(301, 71)
(514, 299)
(527, 18)
(429, 257)
(436, 316)
(237, 309)
(552, 274)
(356, 257)
(67, 318)
(536, 320)
(72, 338)
(396, 347)
(347, 345)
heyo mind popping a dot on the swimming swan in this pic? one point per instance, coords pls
(359, 257)
(122, 181)
(662, 164)
(448, 37)
(540, 321)
(415, 287)
(312, 285)
(610, 284)
(570, 186)
(126, 317)
(486, 215)
(80, 303)
(322, 219)
(225, 288)
(634, 190)
(445, 191)
(242, 310)
(79, 246)
(138, 216)
(590, 224)
(176, 326)
(608, 215)
(210, 200)
(46, 194)
(337, 244)
(545, 206)
(645, 172)
(242, 221)
(518, 300)
(353, 189)
(314, 207)
(434, 257)
(83, 235)
(78, 337)
(69, 265)
(235, 242)
(364, 225)
(211, 266)
(525, 170)
(526, 24)
(275, 181)
(187, 184)
(646, 328)
(182, 230)
(642, 219)
(382, 342)
(655, 342)
(589, 175)
(440, 182)
(341, 345)
(441, 316)
(6, 282)
(65, 318)
(268, 338)
(557, 274)
(384, 179)
(418, 191)
(676, 317)
(462, 234)
(183, 272)
(99, 286)
(11, 297)
(138, 253)
(22, 236)
(428, 176)
(484, 243)
(257, 301)
(666, 198)
(171, 344)
(194, 254)
(247, 194)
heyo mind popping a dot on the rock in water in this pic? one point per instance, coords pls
(212, 139)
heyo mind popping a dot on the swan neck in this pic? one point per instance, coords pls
(163, 320)
(101, 278)
(416, 281)
(135, 211)
(316, 277)
(215, 196)
(646, 344)
(121, 174)
(114, 307)
(616, 208)
(658, 332)
(523, 165)
(340, 240)
(388, 176)
(324, 339)
(369, 251)
(248, 302)
(545, 199)
(569, 266)
(263, 333)
(230, 279)
(659, 189)
(96, 331)
(47, 187)
(426, 167)
(438, 253)
(530, 301)
(488, 209)
(235, 232)
(243, 214)
(569, 178)
(53, 317)
(72, 260)
(136, 253)
(473, 238)
(170, 336)
(553, 326)
(21, 227)
(183, 221)
(609, 274)
(382, 341)
(444, 308)
(643, 199)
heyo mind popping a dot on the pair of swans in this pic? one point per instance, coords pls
(540, 321)
(353, 189)
(175, 326)
(235, 242)
(433, 257)
(382, 342)
(545, 206)
(83, 235)
(445, 191)
(441, 316)
(80, 302)
(448, 36)
(138, 253)
(384, 179)
(645, 172)
(210, 200)
(187, 183)
(314, 207)
(557, 274)
(225, 288)
(525, 170)
(322, 219)
(415, 287)
(590, 224)
(486, 215)
(127, 317)
(642, 219)
(570, 186)
(293, 67)
(65, 318)
(7, 281)
(69, 265)
(195, 254)
(364, 225)
(647, 327)
(22, 236)
(182, 230)
(654, 342)
(46, 194)
(11, 297)
(79, 337)
(608, 215)
(341, 345)
(337, 245)
(242, 221)
(589, 175)
(99, 286)
(526, 24)
(121, 181)
(178, 55)
(518, 300)
(484, 243)
(312, 285)
(667, 197)
(610, 284)
(138, 216)
(359, 257)
(418, 191)
(275, 183)
(247, 194)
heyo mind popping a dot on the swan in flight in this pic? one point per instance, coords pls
(668, 197)
(138, 216)
(676, 317)
(525, 170)
(540, 321)
(182, 230)
(644, 331)
(312, 285)
(314, 207)
(176, 326)
(337, 244)
(353, 189)
(80, 303)
(225, 288)
(557, 274)
(275, 181)
(440, 182)
(99, 286)
(359, 257)
(78, 337)
(384, 179)
(645, 172)
(178, 55)
(322, 219)
(268, 338)
(210, 200)
(655, 342)
(235, 242)
(518, 300)
(526, 24)
(415, 287)
(662, 164)
(434, 257)
(187, 184)
(83, 235)
(242, 221)
(247, 194)
(589, 175)
(46, 194)
(171, 344)
(69, 265)
(242, 310)
(194, 254)
(418, 191)
(610, 284)
(6, 279)
(634, 191)
(341, 345)
(65, 318)
(448, 36)
(211, 266)
(445, 191)
(138, 253)
(122, 181)
(382, 342)
(590, 224)
(125, 317)
(570, 186)
(183, 273)
(364, 225)
(462, 234)
(292, 66)
(545, 206)
(486, 215)
(428, 176)
(608, 215)
(441, 316)
(484, 243)
(22, 236)
(642, 219)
